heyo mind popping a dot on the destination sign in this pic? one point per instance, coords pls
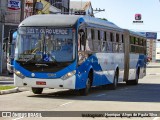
(47, 31)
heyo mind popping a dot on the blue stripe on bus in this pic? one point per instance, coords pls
(83, 72)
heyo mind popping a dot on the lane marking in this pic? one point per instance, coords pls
(153, 73)
(100, 95)
(18, 118)
(66, 104)
(156, 118)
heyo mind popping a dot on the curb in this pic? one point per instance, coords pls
(14, 90)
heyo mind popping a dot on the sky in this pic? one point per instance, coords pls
(122, 13)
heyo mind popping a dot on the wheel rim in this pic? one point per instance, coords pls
(115, 80)
(88, 84)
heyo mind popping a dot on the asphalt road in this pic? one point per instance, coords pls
(143, 97)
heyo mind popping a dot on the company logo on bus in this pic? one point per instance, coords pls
(51, 75)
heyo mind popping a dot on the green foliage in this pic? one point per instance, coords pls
(103, 19)
(6, 87)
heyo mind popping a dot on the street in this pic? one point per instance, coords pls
(143, 97)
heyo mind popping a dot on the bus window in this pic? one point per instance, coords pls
(111, 37)
(92, 34)
(136, 40)
(99, 35)
(105, 36)
(122, 38)
(132, 40)
(117, 38)
(81, 40)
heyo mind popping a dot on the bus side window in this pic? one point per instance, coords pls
(110, 43)
(89, 44)
(120, 45)
(81, 41)
(104, 43)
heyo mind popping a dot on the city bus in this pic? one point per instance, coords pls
(76, 52)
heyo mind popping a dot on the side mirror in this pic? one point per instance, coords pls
(5, 40)
(11, 32)
(4, 47)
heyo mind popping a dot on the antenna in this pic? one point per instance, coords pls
(98, 10)
(81, 4)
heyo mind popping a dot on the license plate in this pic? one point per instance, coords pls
(40, 83)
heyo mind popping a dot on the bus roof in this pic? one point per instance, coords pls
(64, 20)
(50, 20)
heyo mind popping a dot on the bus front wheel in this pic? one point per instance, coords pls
(37, 90)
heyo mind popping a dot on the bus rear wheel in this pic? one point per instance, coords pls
(133, 82)
(86, 90)
(37, 90)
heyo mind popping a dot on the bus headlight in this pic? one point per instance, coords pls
(68, 75)
(19, 74)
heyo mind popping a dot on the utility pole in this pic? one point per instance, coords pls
(22, 10)
(34, 4)
(98, 10)
(2, 22)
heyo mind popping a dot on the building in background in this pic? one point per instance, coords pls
(151, 45)
(151, 49)
(10, 12)
(46, 7)
(158, 51)
(78, 6)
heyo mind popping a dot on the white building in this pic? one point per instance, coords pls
(158, 51)
(81, 6)
(151, 49)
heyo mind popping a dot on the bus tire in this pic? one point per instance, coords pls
(134, 82)
(85, 91)
(113, 86)
(37, 90)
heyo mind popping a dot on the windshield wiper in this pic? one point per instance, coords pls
(28, 60)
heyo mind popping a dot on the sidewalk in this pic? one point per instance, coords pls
(6, 77)
(154, 65)
(9, 80)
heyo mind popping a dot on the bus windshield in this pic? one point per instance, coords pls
(44, 46)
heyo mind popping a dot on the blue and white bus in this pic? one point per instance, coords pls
(76, 52)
